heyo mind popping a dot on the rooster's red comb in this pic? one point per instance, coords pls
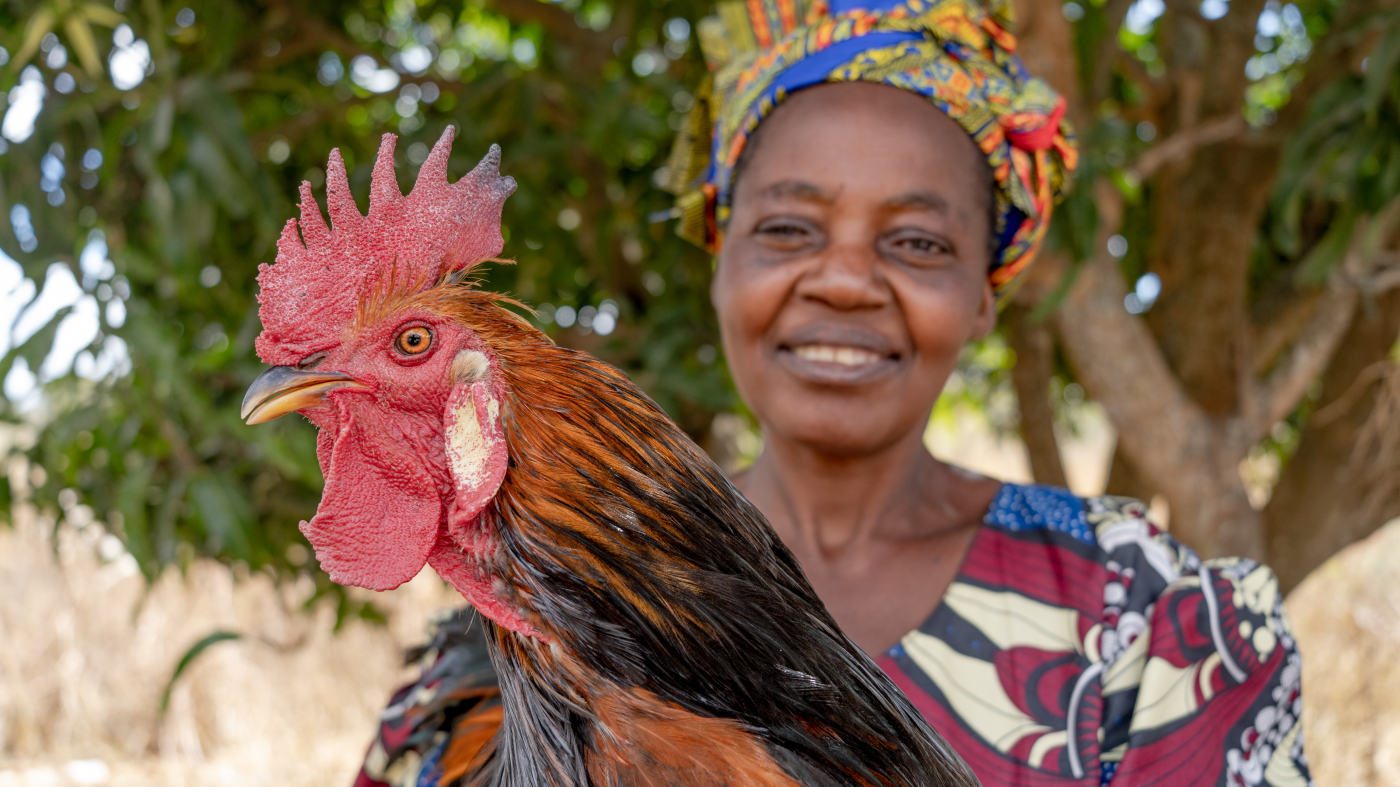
(309, 296)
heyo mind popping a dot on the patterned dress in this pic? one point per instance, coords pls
(1077, 645)
(1080, 645)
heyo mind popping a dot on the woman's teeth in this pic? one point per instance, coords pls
(827, 353)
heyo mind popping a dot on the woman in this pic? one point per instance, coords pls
(879, 176)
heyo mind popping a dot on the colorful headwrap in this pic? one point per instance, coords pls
(959, 53)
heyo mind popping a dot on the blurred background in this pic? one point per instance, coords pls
(1212, 327)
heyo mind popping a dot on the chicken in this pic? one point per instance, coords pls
(645, 624)
(434, 730)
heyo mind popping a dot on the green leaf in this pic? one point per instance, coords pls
(1381, 69)
(34, 31)
(80, 37)
(1328, 252)
(226, 515)
(102, 15)
(185, 661)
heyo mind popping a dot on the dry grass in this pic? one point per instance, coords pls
(1376, 458)
(86, 649)
(1347, 617)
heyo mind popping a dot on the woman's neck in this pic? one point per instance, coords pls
(833, 504)
(880, 536)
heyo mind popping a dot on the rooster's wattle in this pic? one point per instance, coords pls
(646, 625)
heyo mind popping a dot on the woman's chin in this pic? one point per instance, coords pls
(845, 436)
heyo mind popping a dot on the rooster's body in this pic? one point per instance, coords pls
(646, 625)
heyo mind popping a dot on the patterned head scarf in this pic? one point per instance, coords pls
(958, 53)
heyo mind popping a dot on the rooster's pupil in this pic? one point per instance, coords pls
(414, 341)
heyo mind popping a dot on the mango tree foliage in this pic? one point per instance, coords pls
(151, 187)
(153, 151)
(1224, 279)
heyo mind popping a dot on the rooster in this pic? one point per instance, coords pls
(645, 624)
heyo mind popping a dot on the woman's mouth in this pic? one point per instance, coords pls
(836, 364)
(837, 354)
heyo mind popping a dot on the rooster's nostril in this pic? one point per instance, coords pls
(312, 361)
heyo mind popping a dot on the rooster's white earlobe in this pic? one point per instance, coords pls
(469, 366)
(475, 443)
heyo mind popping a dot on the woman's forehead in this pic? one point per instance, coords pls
(828, 139)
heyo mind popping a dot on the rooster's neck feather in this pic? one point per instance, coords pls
(662, 591)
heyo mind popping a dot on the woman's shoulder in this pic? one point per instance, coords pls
(1110, 542)
(1102, 528)
(1181, 648)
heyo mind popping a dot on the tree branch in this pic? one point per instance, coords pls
(1386, 277)
(1320, 501)
(1338, 407)
(555, 20)
(1275, 322)
(1187, 141)
(1360, 271)
(1283, 390)
(312, 34)
(1119, 362)
(595, 47)
(1035, 358)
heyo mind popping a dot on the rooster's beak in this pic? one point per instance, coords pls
(286, 389)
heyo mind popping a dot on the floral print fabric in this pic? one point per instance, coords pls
(1081, 645)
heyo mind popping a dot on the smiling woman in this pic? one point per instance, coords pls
(1040, 632)
(816, 232)
(846, 288)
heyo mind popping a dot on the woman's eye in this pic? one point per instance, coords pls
(785, 234)
(920, 247)
(414, 340)
(781, 229)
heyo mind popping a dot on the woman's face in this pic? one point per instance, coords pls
(854, 266)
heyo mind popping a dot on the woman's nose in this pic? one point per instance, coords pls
(846, 277)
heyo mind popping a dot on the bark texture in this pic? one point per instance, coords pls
(1035, 364)
(1202, 379)
(1319, 504)
(1125, 480)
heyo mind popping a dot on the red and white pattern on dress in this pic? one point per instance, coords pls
(1081, 645)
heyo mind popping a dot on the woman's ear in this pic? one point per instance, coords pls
(714, 280)
(986, 320)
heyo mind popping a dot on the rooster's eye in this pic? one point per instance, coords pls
(414, 340)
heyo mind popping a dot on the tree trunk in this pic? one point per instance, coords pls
(1035, 363)
(1126, 481)
(1183, 387)
(1186, 454)
(1205, 207)
(1316, 508)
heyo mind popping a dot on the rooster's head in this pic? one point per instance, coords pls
(368, 327)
